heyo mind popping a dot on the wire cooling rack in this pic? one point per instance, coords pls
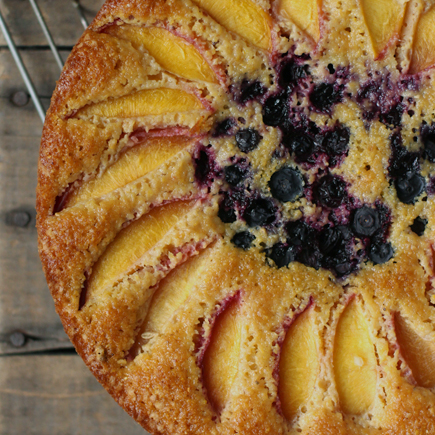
(16, 55)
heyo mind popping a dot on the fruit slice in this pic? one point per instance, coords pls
(423, 52)
(384, 19)
(298, 365)
(304, 13)
(221, 359)
(354, 361)
(133, 164)
(173, 53)
(242, 17)
(134, 241)
(171, 294)
(144, 103)
(418, 353)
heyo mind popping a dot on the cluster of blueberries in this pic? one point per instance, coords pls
(336, 247)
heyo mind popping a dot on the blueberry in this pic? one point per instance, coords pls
(286, 185)
(260, 212)
(243, 240)
(330, 191)
(324, 96)
(247, 139)
(429, 146)
(402, 161)
(300, 233)
(394, 116)
(291, 72)
(310, 256)
(409, 187)
(366, 222)
(419, 226)
(331, 68)
(224, 127)
(204, 167)
(275, 110)
(300, 144)
(329, 240)
(234, 175)
(281, 254)
(380, 253)
(344, 268)
(336, 142)
(226, 212)
(251, 90)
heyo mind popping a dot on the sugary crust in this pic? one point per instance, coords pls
(157, 375)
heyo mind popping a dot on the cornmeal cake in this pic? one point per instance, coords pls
(236, 213)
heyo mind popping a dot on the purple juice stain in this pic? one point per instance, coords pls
(206, 168)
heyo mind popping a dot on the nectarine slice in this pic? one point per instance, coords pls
(418, 352)
(171, 52)
(133, 164)
(354, 361)
(384, 19)
(242, 17)
(298, 365)
(423, 51)
(144, 103)
(304, 13)
(134, 241)
(221, 359)
(171, 294)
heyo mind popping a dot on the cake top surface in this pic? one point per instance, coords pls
(236, 213)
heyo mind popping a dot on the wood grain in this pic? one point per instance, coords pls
(56, 394)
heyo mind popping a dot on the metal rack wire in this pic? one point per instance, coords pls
(16, 55)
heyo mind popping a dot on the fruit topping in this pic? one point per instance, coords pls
(243, 240)
(224, 127)
(260, 212)
(402, 162)
(304, 13)
(302, 145)
(354, 361)
(172, 52)
(242, 17)
(409, 187)
(235, 174)
(325, 95)
(423, 53)
(226, 212)
(250, 90)
(366, 222)
(428, 137)
(282, 254)
(275, 110)
(380, 253)
(419, 226)
(330, 191)
(384, 20)
(286, 184)
(336, 142)
(247, 139)
(205, 166)
(298, 363)
(291, 72)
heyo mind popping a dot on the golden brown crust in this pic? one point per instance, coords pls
(146, 332)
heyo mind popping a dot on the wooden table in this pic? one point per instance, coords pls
(45, 388)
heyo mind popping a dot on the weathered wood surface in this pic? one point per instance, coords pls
(57, 395)
(46, 392)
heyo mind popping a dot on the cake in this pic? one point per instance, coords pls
(236, 213)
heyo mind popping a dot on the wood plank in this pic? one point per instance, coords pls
(56, 394)
(42, 69)
(62, 19)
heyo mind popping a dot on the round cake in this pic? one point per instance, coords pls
(236, 213)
